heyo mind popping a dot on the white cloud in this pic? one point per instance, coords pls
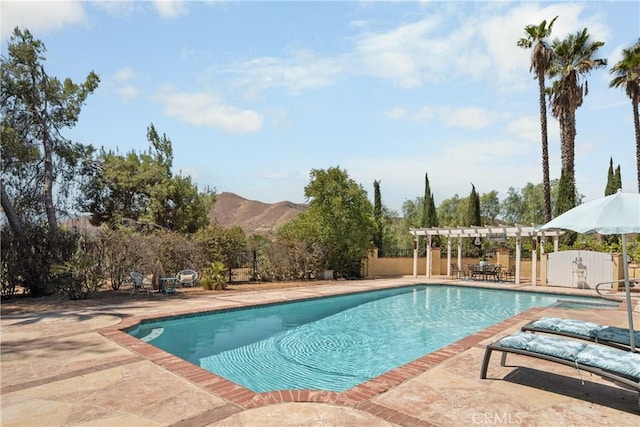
(302, 71)
(127, 92)
(396, 113)
(481, 46)
(171, 8)
(124, 74)
(206, 109)
(469, 117)
(123, 84)
(40, 17)
(465, 117)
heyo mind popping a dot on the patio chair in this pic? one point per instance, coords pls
(622, 367)
(510, 274)
(187, 278)
(456, 272)
(580, 329)
(138, 283)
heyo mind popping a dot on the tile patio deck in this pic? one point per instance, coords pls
(77, 368)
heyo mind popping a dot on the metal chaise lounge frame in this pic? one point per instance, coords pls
(589, 336)
(626, 380)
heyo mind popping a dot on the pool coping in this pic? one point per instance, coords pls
(360, 397)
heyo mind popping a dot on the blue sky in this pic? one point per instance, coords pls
(253, 95)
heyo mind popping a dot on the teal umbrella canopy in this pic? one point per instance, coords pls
(618, 213)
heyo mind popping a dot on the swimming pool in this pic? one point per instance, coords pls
(334, 343)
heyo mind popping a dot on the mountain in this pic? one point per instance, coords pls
(252, 216)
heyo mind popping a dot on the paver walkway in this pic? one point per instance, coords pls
(76, 368)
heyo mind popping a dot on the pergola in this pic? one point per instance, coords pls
(491, 232)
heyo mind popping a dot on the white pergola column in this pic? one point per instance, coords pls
(449, 256)
(556, 241)
(428, 256)
(460, 254)
(518, 256)
(415, 256)
(534, 261)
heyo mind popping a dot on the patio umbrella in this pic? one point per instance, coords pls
(158, 273)
(618, 213)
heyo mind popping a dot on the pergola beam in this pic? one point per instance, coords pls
(494, 231)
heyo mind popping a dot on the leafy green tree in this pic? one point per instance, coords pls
(536, 38)
(571, 62)
(490, 206)
(298, 249)
(526, 205)
(452, 212)
(627, 76)
(512, 207)
(140, 187)
(394, 235)
(473, 208)
(36, 158)
(221, 244)
(412, 212)
(339, 219)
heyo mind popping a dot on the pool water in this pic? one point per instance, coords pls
(334, 343)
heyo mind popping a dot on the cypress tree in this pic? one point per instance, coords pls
(609, 189)
(434, 212)
(617, 180)
(473, 209)
(429, 215)
(566, 193)
(377, 215)
(426, 213)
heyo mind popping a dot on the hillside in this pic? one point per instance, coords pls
(252, 216)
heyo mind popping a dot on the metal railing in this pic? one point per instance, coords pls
(632, 282)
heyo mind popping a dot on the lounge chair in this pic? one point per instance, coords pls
(621, 366)
(602, 334)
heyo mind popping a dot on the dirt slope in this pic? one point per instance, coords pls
(252, 216)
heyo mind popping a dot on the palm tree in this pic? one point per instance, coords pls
(572, 60)
(540, 58)
(627, 76)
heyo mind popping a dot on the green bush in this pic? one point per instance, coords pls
(27, 260)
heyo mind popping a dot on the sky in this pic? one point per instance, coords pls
(255, 95)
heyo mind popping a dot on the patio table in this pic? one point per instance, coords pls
(484, 272)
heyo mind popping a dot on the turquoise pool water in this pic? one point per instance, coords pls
(337, 342)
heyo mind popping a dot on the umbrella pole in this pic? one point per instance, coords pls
(628, 292)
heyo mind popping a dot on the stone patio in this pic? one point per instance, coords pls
(75, 367)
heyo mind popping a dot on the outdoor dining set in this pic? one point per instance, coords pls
(484, 271)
